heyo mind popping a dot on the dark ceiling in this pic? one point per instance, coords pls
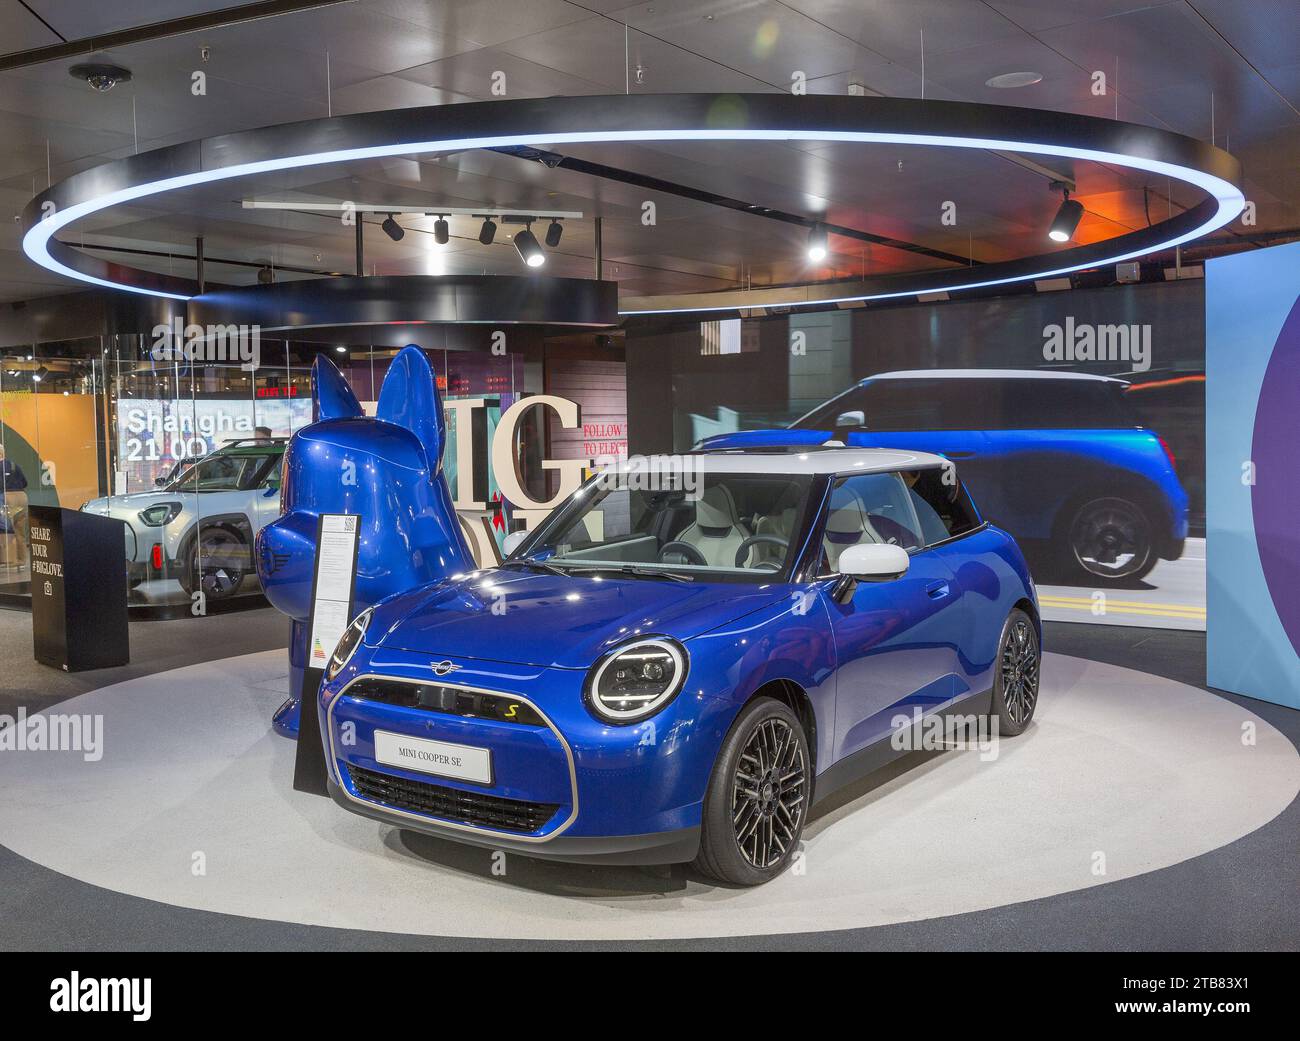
(1198, 67)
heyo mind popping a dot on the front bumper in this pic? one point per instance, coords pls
(668, 847)
(568, 788)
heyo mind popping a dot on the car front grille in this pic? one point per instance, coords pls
(453, 701)
(451, 804)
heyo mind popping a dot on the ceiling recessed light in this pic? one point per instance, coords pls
(1014, 79)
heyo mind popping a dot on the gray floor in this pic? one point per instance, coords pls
(1240, 896)
(156, 645)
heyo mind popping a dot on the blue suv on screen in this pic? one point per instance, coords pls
(1058, 459)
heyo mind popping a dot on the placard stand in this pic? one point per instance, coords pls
(78, 583)
(333, 590)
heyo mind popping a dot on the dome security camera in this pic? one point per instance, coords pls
(101, 77)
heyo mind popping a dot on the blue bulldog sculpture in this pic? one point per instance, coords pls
(388, 472)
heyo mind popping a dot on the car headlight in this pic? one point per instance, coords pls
(348, 643)
(161, 513)
(636, 680)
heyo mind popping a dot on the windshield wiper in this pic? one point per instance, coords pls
(632, 569)
(540, 565)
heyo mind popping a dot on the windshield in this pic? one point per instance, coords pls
(715, 527)
(223, 473)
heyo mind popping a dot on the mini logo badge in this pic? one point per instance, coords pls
(443, 668)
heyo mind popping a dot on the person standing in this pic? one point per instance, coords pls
(13, 520)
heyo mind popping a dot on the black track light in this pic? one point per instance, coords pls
(1067, 218)
(553, 233)
(530, 252)
(441, 233)
(392, 229)
(488, 232)
(818, 244)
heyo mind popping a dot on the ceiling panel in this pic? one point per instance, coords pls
(386, 54)
(77, 19)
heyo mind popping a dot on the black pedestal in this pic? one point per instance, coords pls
(309, 769)
(79, 616)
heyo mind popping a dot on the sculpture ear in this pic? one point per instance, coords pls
(331, 397)
(409, 398)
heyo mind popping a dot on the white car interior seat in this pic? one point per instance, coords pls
(717, 531)
(847, 525)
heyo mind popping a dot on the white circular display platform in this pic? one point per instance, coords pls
(1121, 773)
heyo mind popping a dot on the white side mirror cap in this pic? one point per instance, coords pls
(511, 542)
(874, 561)
(855, 418)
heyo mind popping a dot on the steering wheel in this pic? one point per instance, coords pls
(690, 552)
(742, 551)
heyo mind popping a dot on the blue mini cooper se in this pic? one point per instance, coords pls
(683, 659)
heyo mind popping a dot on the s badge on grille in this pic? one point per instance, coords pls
(442, 668)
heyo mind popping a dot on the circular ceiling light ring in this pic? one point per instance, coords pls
(671, 117)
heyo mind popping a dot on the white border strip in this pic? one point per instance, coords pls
(1230, 199)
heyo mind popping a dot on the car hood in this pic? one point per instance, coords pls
(112, 506)
(554, 621)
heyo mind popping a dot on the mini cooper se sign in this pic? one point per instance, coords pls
(463, 762)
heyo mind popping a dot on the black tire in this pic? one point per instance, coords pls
(216, 562)
(1108, 540)
(1016, 674)
(766, 742)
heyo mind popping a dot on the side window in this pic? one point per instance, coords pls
(271, 473)
(942, 506)
(868, 508)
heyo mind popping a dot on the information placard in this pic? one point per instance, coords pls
(332, 592)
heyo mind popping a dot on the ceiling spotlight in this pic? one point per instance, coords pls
(101, 77)
(529, 250)
(441, 233)
(340, 348)
(817, 242)
(40, 374)
(392, 229)
(553, 233)
(488, 232)
(1067, 216)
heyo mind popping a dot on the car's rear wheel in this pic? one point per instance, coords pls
(1110, 538)
(757, 801)
(1015, 684)
(216, 563)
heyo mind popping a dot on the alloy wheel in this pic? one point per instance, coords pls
(221, 563)
(769, 793)
(1019, 668)
(1110, 539)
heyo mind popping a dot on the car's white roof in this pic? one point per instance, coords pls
(815, 460)
(1003, 374)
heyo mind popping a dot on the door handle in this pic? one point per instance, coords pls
(937, 590)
